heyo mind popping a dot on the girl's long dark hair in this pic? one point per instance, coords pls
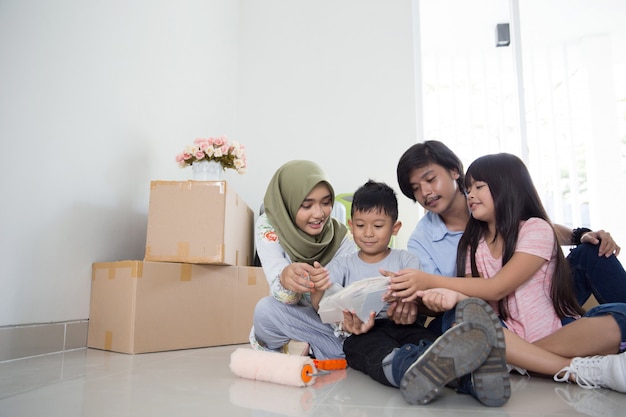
(515, 199)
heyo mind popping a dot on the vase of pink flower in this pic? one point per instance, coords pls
(210, 157)
(205, 170)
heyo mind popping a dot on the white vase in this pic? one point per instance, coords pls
(207, 170)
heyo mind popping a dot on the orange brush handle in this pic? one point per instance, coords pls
(330, 364)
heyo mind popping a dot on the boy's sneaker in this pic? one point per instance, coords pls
(597, 372)
(457, 352)
(491, 383)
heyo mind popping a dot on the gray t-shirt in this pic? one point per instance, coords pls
(349, 268)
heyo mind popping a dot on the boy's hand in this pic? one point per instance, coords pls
(402, 313)
(398, 311)
(440, 299)
(353, 324)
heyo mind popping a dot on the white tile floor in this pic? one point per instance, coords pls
(198, 382)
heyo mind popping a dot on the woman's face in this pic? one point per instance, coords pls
(315, 210)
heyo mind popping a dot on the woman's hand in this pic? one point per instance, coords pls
(353, 324)
(296, 277)
(607, 247)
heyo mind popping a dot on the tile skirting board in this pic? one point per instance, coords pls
(23, 341)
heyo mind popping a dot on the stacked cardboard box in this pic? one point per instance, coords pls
(200, 222)
(195, 286)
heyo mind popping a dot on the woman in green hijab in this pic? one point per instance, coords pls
(295, 237)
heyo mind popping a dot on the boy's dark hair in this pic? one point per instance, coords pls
(423, 154)
(375, 196)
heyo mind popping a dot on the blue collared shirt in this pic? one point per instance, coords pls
(435, 245)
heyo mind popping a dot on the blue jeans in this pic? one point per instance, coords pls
(603, 277)
(366, 352)
(616, 310)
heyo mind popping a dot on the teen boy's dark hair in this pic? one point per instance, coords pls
(375, 196)
(423, 154)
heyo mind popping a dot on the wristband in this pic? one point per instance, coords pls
(577, 234)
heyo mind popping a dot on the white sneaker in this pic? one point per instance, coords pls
(597, 371)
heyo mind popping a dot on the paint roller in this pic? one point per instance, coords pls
(279, 368)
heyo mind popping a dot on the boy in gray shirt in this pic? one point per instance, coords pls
(401, 354)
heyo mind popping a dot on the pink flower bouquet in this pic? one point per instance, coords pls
(229, 154)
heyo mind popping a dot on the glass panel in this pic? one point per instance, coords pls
(572, 71)
(469, 90)
(574, 74)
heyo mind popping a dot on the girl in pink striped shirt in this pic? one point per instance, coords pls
(509, 241)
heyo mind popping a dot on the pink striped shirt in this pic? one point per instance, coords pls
(531, 314)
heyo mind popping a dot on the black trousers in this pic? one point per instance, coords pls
(365, 352)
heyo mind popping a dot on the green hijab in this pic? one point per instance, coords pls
(285, 193)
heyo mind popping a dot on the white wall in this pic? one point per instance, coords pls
(96, 98)
(330, 81)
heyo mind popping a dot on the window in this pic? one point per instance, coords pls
(559, 101)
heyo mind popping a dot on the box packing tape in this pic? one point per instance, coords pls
(108, 340)
(182, 185)
(222, 185)
(136, 268)
(251, 276)
(182, 249)
(185, 272)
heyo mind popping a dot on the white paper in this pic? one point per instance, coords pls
(362, 297)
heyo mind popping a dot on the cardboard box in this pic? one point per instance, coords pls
(200, 222)
(139, 307)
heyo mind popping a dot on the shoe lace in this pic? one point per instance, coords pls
(586, 372)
